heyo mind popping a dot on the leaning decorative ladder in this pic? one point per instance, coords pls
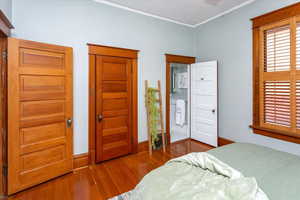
(150, 120)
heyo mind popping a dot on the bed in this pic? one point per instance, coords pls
(276, 173)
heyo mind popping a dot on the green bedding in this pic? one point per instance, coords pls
(233, 172)
(277, 173)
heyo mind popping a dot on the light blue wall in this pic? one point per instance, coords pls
(6, 7)
(78, 22)
(229, 40)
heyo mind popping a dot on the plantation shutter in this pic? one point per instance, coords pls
(277, 103)
(276, 83)
(297, 74)
(277, 49)
(279, 83)
(276, 74)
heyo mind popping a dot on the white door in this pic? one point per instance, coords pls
(204, 102)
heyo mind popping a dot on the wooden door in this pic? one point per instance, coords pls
(113, 105)
(40, 103)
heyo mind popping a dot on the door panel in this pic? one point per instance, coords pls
(204, 102)
(41, 87)
(41, 59)
(114, 105)
(35, 113)
(114, 86)
(40, 102)
(36, 159)
(41, 133)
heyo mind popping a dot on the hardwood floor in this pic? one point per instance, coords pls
(108, 179)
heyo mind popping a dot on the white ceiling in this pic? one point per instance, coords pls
(187, 12)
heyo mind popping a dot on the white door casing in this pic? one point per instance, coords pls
(204, 102)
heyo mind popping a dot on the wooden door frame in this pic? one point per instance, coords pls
(100, 50)
(5, 31)
(170, 58)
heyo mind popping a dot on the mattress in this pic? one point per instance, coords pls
(277, 173)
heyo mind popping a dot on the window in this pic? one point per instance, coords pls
(276, 74)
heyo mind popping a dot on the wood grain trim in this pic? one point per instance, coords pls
(168, 89)
(116, 52)
(143, 146)
(134, 106)
(69, 97)
(41, 46)
(12, 123)
(170, 58)
(173, 59)
(80, 161)
(276, 134)
(3, 116)
(277, 15)
(92, 109)
(5, 25)
(255, 76)
(224, 141)
(112, 51)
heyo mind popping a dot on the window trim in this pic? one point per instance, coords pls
(282, 15)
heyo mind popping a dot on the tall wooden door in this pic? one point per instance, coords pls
(113, 105)
(39, 113)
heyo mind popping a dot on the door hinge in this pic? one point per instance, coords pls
(4, 54)
(4, 170)
(4, 135)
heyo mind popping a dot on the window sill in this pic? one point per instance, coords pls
(276, 134)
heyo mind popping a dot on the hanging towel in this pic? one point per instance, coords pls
(180, 112)
(182, 79)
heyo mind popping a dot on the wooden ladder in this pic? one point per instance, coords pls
(160, 121)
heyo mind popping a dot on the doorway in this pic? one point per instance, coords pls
(113, 102)
(177, 97)
(179, 102)
(5, 32)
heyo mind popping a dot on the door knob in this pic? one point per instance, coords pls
(99, 117)
(213, 110)
(69, 122)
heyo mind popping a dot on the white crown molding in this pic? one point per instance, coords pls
(143, 13)
(171, 20)
(225, 12)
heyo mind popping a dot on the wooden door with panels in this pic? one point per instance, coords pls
(113, 90)
(40, 109)
(115, 102)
